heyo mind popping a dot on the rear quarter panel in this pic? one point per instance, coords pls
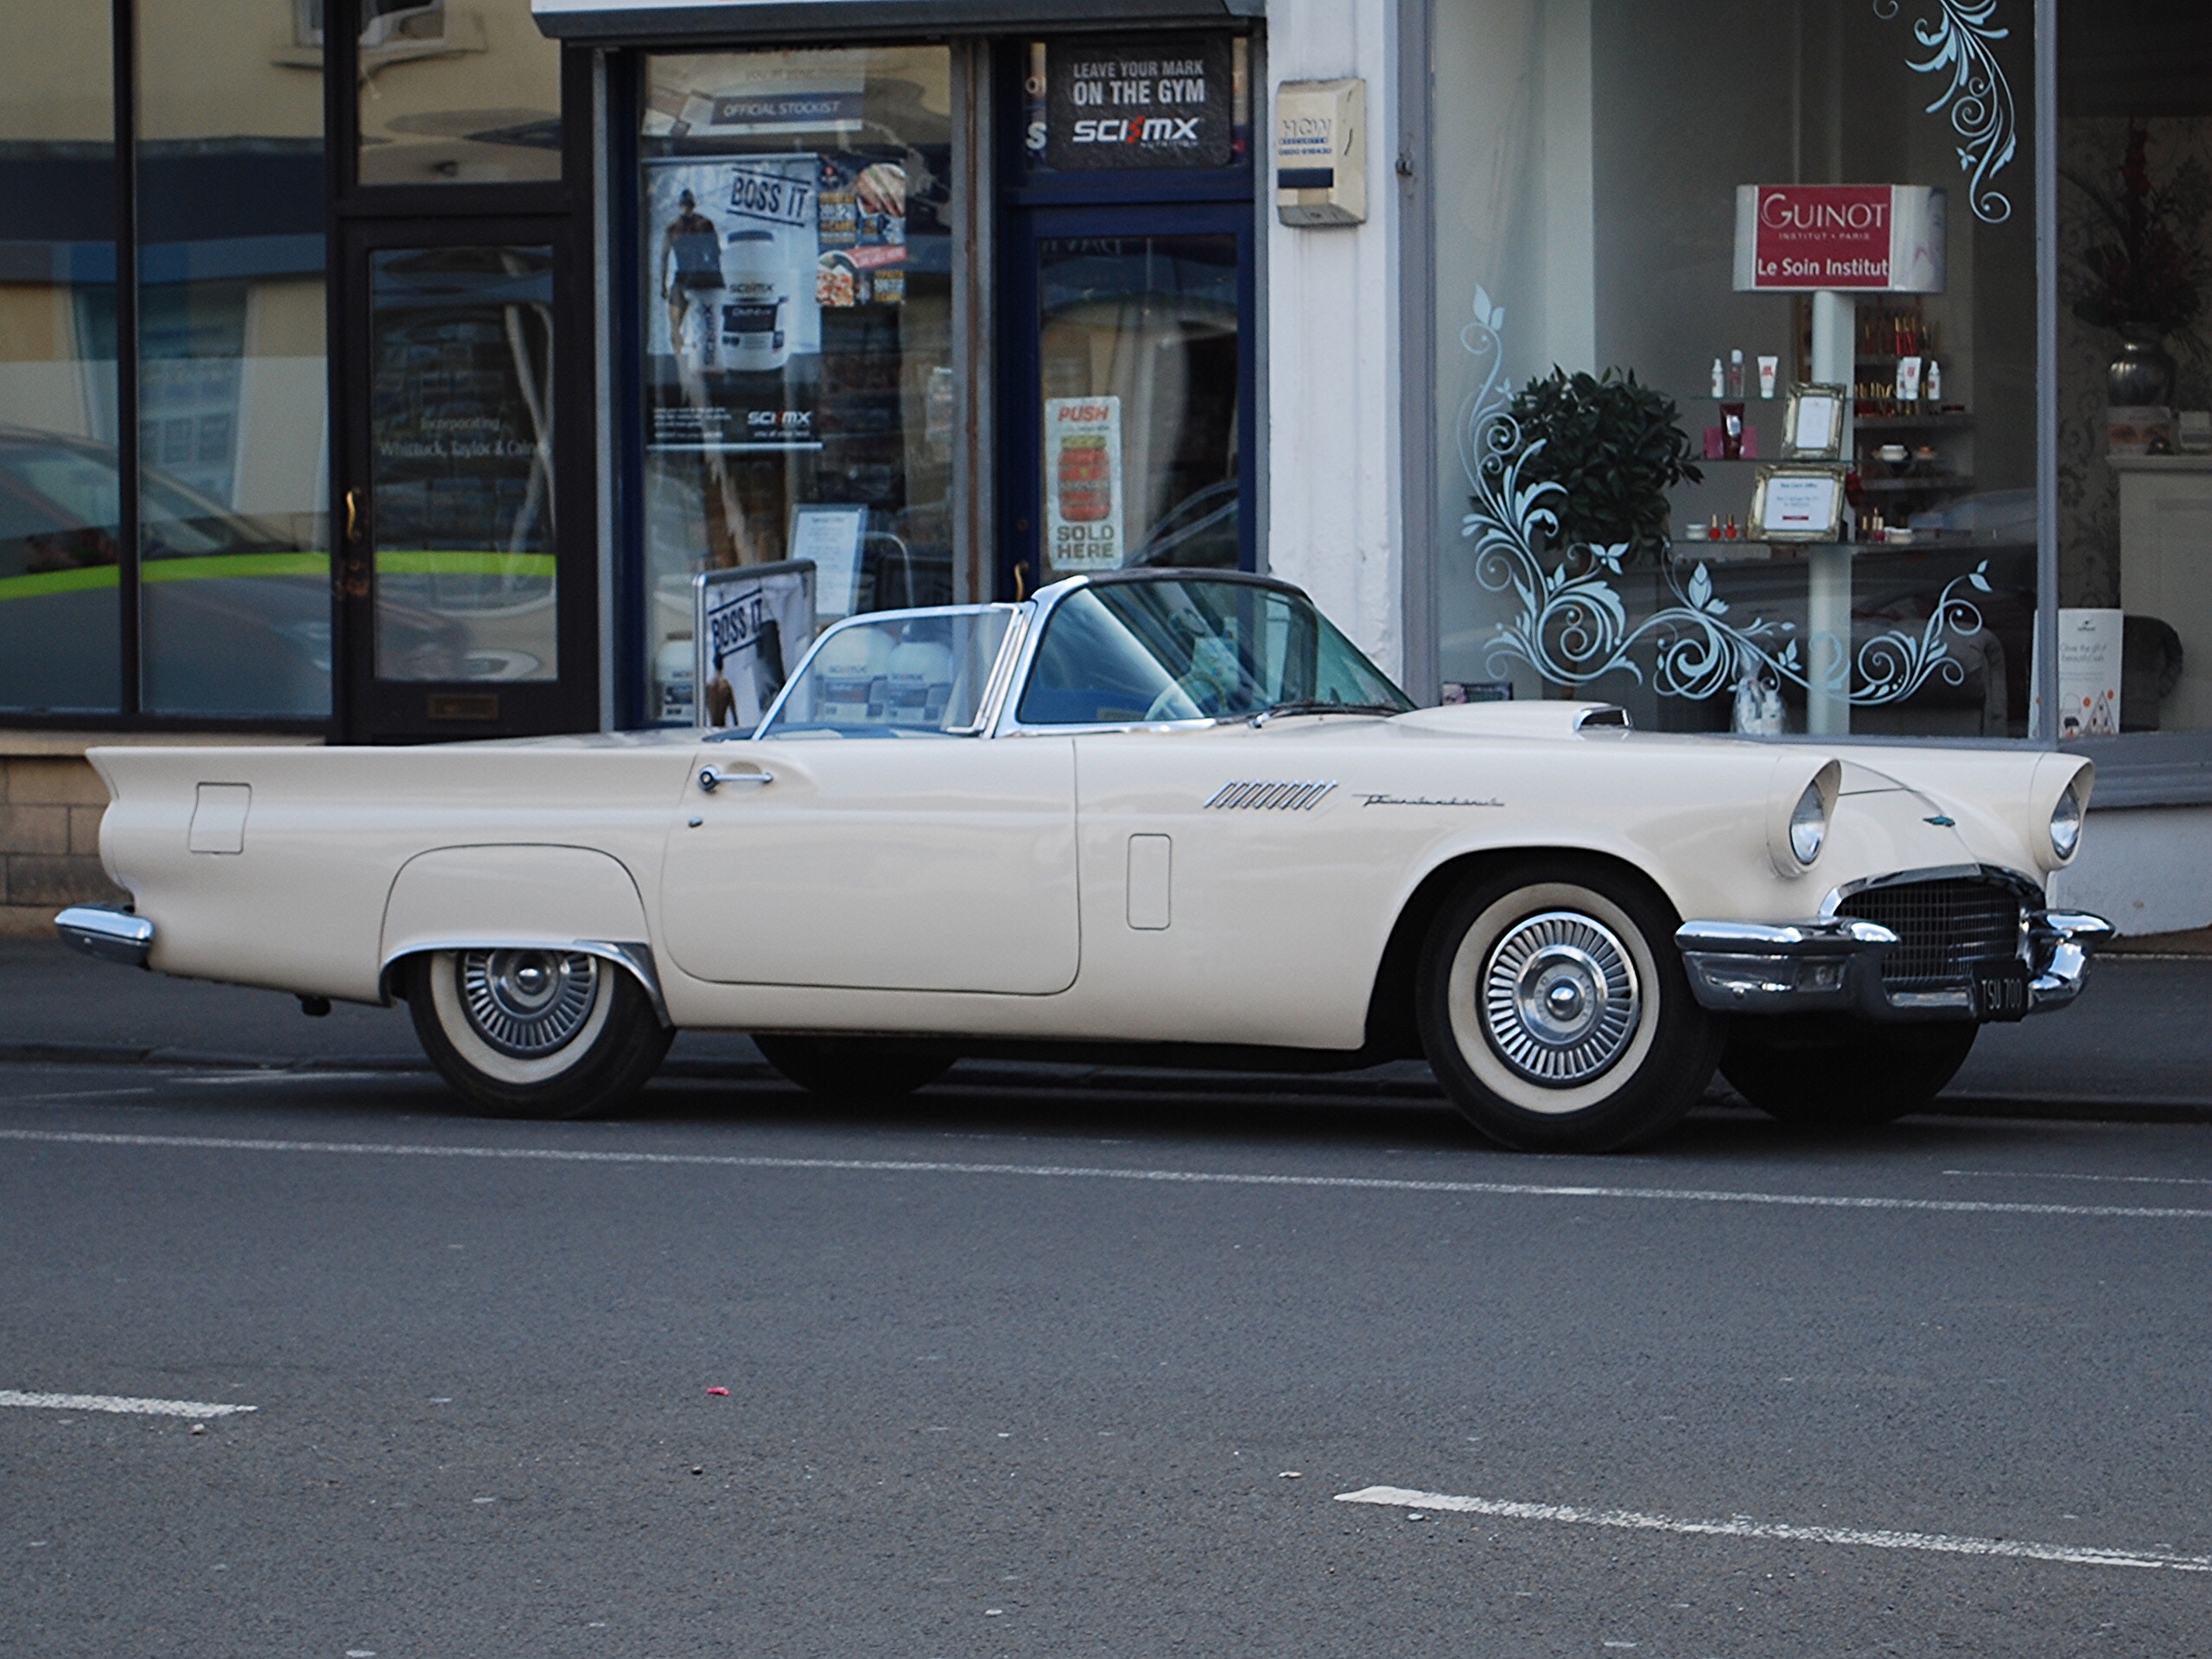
(302, 907)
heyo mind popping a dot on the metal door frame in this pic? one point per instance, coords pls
(372, 710)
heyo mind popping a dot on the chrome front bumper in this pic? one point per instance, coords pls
(111, 935)
(1833, 966)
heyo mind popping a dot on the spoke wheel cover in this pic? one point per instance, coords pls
(1559, 999)
(527, 1003)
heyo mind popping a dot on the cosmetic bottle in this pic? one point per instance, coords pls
(1720, 389)
(1933, 382)
(1735, 373)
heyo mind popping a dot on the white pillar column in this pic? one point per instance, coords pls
(1827, 695)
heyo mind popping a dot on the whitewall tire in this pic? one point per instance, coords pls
(534, 1033)
(1554, 1008)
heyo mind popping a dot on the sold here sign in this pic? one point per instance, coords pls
(1883, 238)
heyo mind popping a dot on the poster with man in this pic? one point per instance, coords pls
(735, 336)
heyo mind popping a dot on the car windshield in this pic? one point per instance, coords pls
(1194, 649)
(898, 674)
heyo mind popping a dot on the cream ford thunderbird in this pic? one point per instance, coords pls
(1158, 817)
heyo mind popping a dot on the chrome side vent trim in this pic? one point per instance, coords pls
(1270, 795)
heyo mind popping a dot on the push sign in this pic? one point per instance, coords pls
(1124, 103)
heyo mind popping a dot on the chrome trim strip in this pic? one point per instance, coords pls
(1266, 795)
(634, 955)
(2027, 886)
(109, 933)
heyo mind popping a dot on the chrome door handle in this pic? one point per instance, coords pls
(713, 778)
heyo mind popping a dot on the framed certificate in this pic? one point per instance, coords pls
(1797, 503)
(1812, 426)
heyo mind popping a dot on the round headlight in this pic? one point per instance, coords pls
(1808, 824)
(2066, 824)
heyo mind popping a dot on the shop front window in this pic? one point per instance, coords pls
(2134, 376)
(1736, 313)
(798, 396)
(61, 504)
(233, 438)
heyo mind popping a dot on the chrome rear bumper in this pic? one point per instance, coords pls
(111, 935)
(1833, 966)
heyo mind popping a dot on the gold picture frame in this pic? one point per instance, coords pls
(1797, 503)
(1812, 423)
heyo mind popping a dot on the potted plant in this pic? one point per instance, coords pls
(2140, 273)
(1614, 446)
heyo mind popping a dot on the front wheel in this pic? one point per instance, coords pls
(856, 1068)
(1554, 1008)
(534, 1033)
(1833, 1072)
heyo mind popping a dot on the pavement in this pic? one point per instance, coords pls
(2136, 1044)
(1012, 1370)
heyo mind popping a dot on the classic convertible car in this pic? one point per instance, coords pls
(1155, 816)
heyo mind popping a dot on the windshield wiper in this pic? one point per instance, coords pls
(1316, 706)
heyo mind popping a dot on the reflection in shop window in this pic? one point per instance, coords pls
(459, 94)
(1584, 224)
(59, 504)
(232, 380)
(796, 263)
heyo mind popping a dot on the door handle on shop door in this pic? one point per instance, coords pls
(713, 778)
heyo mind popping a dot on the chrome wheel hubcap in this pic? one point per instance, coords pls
(528, 1003)
(1559, 1000)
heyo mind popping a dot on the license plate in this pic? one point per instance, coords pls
(2000, 990)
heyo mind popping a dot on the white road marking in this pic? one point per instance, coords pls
(1399, 1497)
(1093, 1172)
(2060, 1175)
(84, 1094)
(116, 1402)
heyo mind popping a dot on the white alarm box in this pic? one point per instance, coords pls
(1321, 152)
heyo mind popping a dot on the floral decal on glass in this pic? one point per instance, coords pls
(1572, 627)
(1959, 40)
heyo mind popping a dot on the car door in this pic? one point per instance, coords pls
(928, 864)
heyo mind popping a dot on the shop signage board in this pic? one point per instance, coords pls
(1137, 102)
(1083, 483)
(1877, 239)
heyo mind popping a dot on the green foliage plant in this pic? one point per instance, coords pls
(1614, 446)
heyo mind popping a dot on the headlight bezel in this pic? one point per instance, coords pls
(1800, 806)
(1808, 825)
(2065, 826)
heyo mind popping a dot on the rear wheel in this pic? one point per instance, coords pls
(1836, 1073)
(1554, 1008)
(856, 1068)
(534, 1033)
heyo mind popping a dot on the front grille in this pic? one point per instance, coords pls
(1943, 927)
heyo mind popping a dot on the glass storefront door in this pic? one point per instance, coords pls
(1130, 443)
(460, 568)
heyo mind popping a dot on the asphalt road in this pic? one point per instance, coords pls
(1013, 1374)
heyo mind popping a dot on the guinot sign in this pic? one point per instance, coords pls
(1883, 238)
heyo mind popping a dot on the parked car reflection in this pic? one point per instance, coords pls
(235, 610)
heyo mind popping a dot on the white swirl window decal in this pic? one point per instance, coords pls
(1960, 39)
(1571, 625)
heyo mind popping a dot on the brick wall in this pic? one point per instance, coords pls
(50, 807)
